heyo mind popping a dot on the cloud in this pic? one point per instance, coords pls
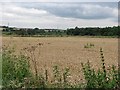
(61, 15)
(59, 1)
(22, 11)
(80, 11)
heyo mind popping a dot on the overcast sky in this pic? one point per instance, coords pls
(59, 14)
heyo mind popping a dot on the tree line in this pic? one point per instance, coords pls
(88, 31)
(94, 31)
(32, 32)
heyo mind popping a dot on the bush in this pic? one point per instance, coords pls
(89, 45)
(102, 78)
(16, 74)
(14, 69)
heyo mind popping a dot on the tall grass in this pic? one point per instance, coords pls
(17, 74)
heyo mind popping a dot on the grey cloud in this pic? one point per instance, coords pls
(49, 15)
(77, 10)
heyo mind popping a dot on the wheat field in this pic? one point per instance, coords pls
(67, 51)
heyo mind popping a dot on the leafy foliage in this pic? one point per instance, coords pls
(102, 78)
(88, 31)
(95, 31)
(16, 74)
(14, 69)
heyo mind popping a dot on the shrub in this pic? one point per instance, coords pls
(16, 74)
(89, 45)
(102, 78)
(14, 69)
